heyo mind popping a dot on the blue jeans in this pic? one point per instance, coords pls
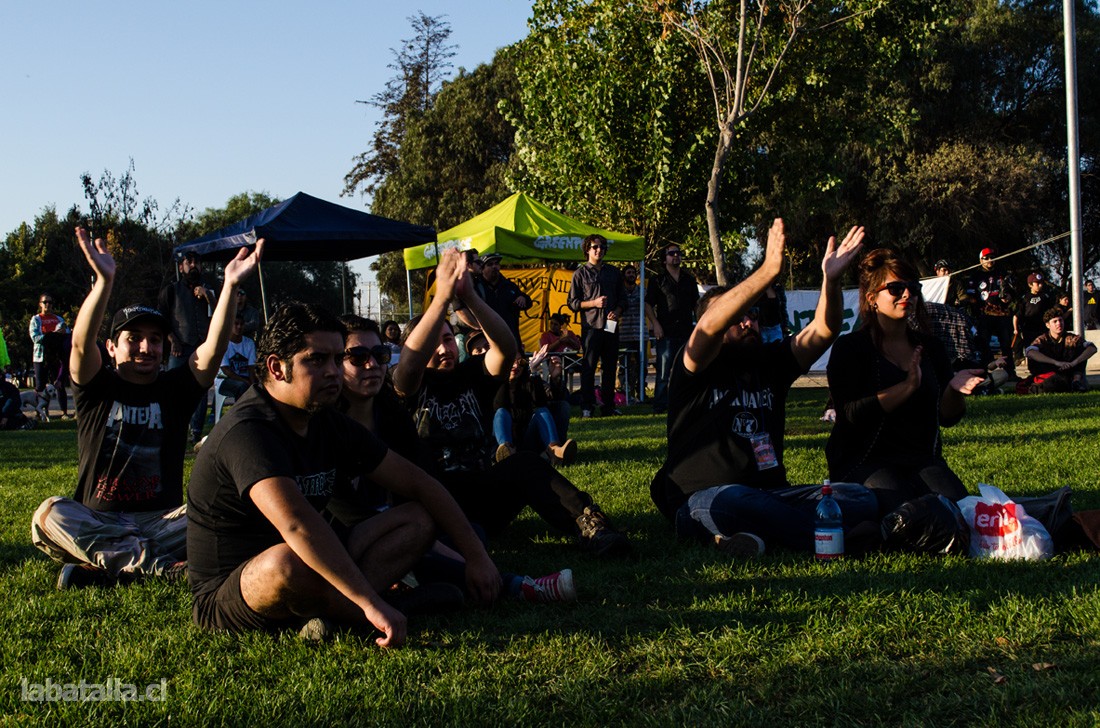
(783, 516)
(541, 430)
(666, 348)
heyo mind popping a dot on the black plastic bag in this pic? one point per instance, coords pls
(931, 524)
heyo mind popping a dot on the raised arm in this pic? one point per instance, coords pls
(208, 356)
(502, 353)
(423, 340)
(811, 342)
(314, 542)
(84, 358)
(728, 309)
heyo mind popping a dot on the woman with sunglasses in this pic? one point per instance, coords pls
(369, 400)
(893, 388)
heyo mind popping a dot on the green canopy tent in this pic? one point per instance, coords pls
(524, 231)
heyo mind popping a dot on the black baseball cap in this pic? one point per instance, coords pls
(125, 318)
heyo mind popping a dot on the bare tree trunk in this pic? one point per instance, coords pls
(714, 185)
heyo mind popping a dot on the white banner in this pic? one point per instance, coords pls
(802, 304)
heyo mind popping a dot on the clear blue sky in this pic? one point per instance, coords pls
(210, 99)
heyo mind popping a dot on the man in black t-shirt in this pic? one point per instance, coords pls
(452, 404)
(1028, 321)
(723, 480)
(261, 554)
(127, 517)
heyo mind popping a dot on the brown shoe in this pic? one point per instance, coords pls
(563, 454)
(504, 451)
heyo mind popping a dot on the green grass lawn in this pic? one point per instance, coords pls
(676, 636)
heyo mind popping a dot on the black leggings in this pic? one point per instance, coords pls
(893, 485)
(493, 498)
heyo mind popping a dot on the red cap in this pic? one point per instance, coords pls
(1035, 278)
(986, 253)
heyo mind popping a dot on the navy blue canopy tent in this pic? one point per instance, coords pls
(303, 228)
(306, 228)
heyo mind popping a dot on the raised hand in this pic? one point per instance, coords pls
(836, 258)
(538, 357)
(451, 270)
(102, 262)
(777, 242)
(241, 267)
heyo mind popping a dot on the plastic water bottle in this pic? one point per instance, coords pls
(829, 527)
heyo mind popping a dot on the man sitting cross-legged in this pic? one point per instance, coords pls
(261, 555)
(723, 480)
(127, 517)
(452, 404)
(1056, 359)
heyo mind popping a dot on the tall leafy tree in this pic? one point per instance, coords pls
(420, 66)
(453, 163)
(607, 122)
(42, 257)
(741, 47)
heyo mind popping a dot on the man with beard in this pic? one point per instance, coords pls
(724, 475)
(187, 304)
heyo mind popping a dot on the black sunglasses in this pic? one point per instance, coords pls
(896, 288)
(672, 252)
(358, 355)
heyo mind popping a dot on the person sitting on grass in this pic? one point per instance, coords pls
(262, 557)
(894, 387)
(723, 481)
(522, 415)
(368, 398)
(11, 408)
(127, 517)
(452, 403)
(1056, 359)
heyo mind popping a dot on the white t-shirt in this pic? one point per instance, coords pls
(240, 357)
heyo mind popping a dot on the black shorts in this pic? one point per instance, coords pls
(224, 609)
